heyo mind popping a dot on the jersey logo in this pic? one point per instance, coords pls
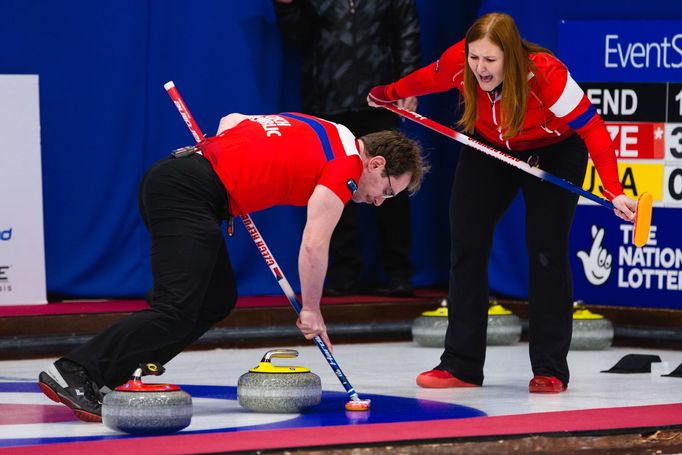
(352, 186)
(437, 65)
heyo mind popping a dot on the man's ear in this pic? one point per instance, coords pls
(377, 162)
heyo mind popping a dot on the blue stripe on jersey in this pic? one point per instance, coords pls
(583, 118)
(319, 130)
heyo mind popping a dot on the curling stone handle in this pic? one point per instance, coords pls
(280, 354)
(137, 374)
(147, 369)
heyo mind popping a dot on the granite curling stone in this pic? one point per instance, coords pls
(139, 408)
(591, 331)
(278, 389)
(504, 327)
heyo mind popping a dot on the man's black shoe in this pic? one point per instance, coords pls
(396, 289)
(67, 382)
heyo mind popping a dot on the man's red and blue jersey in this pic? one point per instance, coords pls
(269, 160)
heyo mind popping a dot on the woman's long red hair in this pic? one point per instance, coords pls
(501, 30)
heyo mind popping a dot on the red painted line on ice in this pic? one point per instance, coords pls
(523, 424)
(24, 414)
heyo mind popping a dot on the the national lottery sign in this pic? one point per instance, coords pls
(609, 269)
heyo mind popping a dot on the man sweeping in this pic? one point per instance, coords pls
(253, 163)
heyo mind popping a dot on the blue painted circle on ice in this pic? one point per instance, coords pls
(213, 415)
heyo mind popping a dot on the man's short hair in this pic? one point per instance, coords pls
(402, 155)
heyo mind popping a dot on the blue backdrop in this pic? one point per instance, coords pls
(105, 118)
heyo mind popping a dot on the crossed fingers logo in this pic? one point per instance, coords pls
(596, 262)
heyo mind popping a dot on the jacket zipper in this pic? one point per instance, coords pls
(493, 101)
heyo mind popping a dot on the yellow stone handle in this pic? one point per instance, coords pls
(280, 354)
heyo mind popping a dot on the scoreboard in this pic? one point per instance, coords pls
(645, 122)
(632, 73)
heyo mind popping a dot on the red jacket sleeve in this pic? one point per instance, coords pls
(567, 101)
(439, 76)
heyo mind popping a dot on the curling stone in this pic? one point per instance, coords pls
(270, 388)
(591, 331)
(429, 329)
(139, 408)
(504, 327)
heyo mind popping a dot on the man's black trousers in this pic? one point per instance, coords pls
(183, 203)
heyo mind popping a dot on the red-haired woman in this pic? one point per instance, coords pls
(521, 99)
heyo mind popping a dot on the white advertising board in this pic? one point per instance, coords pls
(22, 245)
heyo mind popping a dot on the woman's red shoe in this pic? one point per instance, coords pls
(440, 379)
(546, 384)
